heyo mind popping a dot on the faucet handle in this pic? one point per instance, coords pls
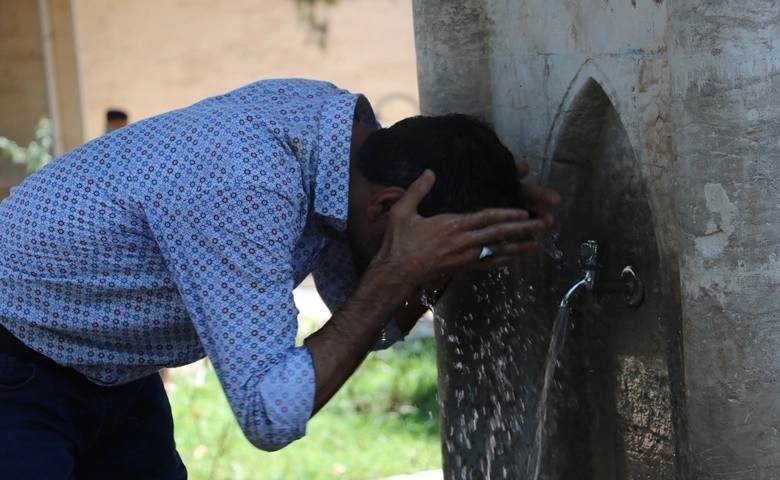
(593, 255)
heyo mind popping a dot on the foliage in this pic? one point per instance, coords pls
(38, 152)
(310, 13)
(383, 422)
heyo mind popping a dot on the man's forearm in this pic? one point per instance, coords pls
(338, 348)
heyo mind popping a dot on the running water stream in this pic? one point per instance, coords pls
(497, 426)
(557, 339)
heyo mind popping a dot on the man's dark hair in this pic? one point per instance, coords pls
(474, 170)
(115, 115)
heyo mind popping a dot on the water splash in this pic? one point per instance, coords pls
(557, 340)
(547, 241)
(428, 299)
(478, 346)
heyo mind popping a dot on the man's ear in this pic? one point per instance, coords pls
(383, 200)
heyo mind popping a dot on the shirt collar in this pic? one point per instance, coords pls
(331, 185)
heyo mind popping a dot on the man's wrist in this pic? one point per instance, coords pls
(387, 285)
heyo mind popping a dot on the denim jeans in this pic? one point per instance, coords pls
(57, 425)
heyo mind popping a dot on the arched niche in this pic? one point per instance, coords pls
(611, 413)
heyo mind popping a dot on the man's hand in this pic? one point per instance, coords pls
(418, 250)
(538, 199)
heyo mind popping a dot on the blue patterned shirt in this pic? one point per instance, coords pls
(184, 235)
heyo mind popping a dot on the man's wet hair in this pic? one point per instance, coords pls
(474, 170)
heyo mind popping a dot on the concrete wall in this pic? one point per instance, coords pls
(694, 137)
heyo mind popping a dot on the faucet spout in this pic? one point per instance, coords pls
(593, 257)
(586, 282)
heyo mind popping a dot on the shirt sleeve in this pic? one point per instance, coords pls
(230, 254)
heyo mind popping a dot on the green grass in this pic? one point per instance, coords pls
(383, 422)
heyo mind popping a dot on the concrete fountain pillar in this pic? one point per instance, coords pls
(726, 137)
(658, 121)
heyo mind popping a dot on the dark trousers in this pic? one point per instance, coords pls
(57, 425)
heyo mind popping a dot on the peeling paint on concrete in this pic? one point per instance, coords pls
(715, 239)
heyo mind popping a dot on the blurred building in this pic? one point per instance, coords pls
(71, 60)
(39, 76)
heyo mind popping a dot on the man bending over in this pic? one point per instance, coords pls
(184, 235)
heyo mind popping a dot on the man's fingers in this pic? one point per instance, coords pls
(488, 217)
(548, 219)
(417, 191)
(541, 195)
(506, 250)
(506, 233)
(523, 169)
(498, 228)
(502, 254)
(489, 227)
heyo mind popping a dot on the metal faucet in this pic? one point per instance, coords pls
(593, 255)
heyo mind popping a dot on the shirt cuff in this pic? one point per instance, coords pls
(285, 403)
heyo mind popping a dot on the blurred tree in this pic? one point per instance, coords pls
(37, 153)
(310, 11)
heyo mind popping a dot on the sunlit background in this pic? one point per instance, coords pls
(150, 56)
